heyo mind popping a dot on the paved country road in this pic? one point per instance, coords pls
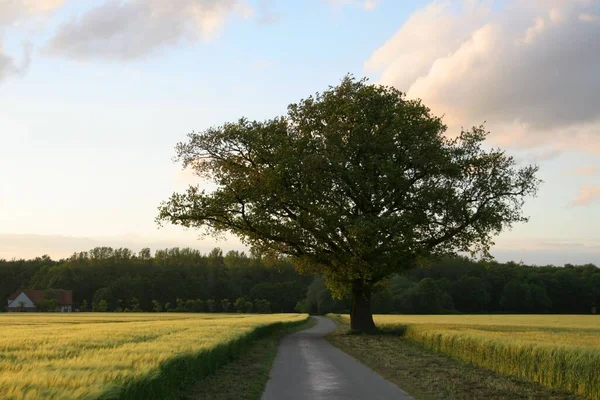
(307, 367)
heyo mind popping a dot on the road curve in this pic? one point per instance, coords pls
(308, 367)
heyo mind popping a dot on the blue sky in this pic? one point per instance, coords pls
(95, 94)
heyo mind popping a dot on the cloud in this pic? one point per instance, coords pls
(367, 5)
(266, 15)
(12, 13)
(9, 66)
(587, 170)
(529, 70)
(125, 30)
(588, 194)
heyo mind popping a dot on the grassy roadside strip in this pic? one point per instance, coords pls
(244, 378)
(426, 374)
(184, 371)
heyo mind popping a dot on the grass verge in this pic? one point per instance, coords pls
(429, 375)
(184, 371)
(244, 378)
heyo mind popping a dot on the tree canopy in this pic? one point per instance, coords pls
(350, 181)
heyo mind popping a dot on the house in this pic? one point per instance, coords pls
(29, 300)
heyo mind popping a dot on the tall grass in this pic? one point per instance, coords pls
(559, 352)
(126, 356)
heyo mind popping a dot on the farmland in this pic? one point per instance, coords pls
(561, 352)
(62, 356)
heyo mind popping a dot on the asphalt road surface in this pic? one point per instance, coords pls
(307, 367)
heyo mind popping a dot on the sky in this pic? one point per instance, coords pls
(95, 94)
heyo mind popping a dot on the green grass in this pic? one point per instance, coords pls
(559, 352)
(124, 356)
(244, 378)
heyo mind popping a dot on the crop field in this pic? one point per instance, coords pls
(558, 351)
(73, 356)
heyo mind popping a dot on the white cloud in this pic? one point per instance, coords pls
(125, 30)
(12, 13)
(530, 70)
(367, 5)
(588, 194)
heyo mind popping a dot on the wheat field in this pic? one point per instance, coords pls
(93, 355)
(558, 351)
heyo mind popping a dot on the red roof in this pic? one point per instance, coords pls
(63, 297)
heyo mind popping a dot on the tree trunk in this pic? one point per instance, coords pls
(361, 316)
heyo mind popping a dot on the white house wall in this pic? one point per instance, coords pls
(27, 303)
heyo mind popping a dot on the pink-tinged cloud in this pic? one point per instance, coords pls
(587, 195)
(529, 70)
(586, 170)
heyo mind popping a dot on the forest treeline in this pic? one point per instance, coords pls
(107, 279)
(460, 285)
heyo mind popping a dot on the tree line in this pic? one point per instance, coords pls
(185, 280)
(460, 285)
(178, 280)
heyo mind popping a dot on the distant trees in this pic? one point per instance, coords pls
(211, 305)
(225, 305)
(240, 305)
(469, 294)
(47, 305)
(120, 275)
(155, 284)
(101, 306)
(457, 284)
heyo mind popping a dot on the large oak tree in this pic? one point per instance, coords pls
(355, 183)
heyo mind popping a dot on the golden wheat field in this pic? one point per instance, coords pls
(557, 351)
(71, 356)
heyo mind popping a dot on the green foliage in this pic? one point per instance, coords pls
(168, 306)
(249, 307)
(180, 305)
(225, 305)
(157, 306)
(47, 305)
(262, 306)
(84, 306)
(197, 306)
(101, 306)
(240, 305)
(190, 305)
(469, 294)
(135, 305)
(119, 274)
(283, 296)
(211, 305)
(466, 286)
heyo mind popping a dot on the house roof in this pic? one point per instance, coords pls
(63, 297)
